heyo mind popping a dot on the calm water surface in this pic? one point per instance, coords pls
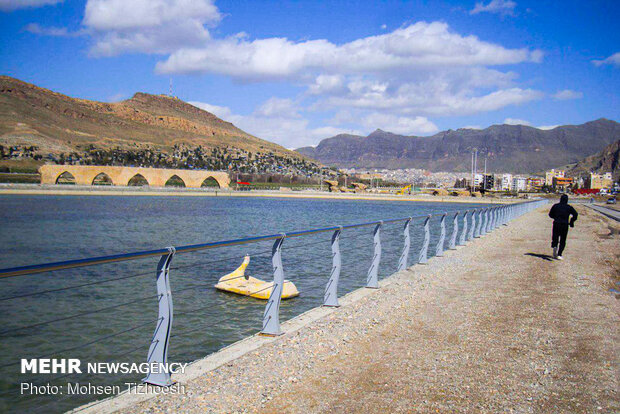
(38, 229)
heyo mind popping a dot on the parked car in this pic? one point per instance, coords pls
(611, 200)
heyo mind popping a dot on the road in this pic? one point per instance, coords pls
(607, 211)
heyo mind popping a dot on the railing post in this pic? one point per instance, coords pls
(455, 231)
(463, 237)
(484, 219)
(478, 225)
(158, 351)
(423, 257)
(372, 281)
(404, 257)
(489, 220)
(442, 236)
(331, 290)
(472, 229)
(271, 317)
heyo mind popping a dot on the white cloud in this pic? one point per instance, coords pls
(423, 69)
(275, 122)
(440, 97)
(514, 121)
(418, 125)
(223, 112)
(278, 107)
(418, 46)
(547, 127)
(567, 94)
(11, 5)
(471, 127)
(611, 60)
(327, 84)
(148, 26)
(35, 28)
(504, 7)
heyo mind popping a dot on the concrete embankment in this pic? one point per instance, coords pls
(495, 326)
(189, 192)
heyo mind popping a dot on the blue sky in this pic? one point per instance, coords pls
(295, 72)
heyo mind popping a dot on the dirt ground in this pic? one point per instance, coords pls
(496, 326)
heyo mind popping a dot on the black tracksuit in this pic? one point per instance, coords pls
(561, 214)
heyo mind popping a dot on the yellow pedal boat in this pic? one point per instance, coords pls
(237, 282)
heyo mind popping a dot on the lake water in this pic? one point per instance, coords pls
(37, 229)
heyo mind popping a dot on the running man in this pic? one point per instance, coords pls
(560, 213)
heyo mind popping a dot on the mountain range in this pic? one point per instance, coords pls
(56, 123)
(508, 148)
(146, 124)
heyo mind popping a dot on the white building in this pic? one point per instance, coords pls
(505, 182)
(519, 184)
(478, 180)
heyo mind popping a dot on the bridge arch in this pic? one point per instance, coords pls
(138, 180)
(210, 182)
(175, 181)
(102, 179)
(65, 178)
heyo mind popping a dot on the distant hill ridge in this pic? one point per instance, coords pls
(30, 115)
(608, 160)
(509, 148)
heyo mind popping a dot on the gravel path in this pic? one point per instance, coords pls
(495, 326)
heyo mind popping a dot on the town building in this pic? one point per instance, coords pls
(535, 183)
(599, 181)
(518, 184)
(505, 182)
(550, 175)
(562, 183)
(488, 182)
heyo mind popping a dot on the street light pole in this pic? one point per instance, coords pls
(484, 178)
(472, 172)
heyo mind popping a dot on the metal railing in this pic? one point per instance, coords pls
(474, 222)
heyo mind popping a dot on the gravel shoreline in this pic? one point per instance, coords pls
(492, 327)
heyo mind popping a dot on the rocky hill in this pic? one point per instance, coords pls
(509, 148)
(46, 124)
(607, 160)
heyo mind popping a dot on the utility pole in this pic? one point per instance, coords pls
(472, 172)
(474, 169)
(485, 173)
(475, 166)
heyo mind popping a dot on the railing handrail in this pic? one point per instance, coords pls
(90, 261)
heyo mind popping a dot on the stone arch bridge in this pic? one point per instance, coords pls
(156, 177)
